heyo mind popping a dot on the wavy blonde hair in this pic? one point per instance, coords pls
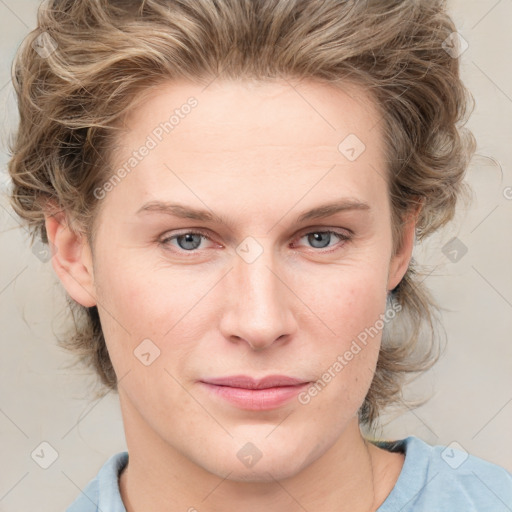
(101, 56)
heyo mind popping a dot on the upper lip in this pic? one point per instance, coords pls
(244, 381)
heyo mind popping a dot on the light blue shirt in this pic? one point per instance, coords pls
(433, 479)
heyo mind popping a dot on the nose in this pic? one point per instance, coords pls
(259, 308)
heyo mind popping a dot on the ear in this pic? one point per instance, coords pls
(400, 261)
(71, 259)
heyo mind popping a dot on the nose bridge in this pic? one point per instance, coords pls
(260, 303)
(259, 283)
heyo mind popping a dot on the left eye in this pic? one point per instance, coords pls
(187, 241)
(322, 239)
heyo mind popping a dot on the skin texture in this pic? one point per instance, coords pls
(258, 155)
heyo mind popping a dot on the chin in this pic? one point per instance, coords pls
(262, 472)
(259, 460)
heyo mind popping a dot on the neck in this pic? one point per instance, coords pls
(352, 475)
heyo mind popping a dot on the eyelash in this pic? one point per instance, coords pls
(344, 237)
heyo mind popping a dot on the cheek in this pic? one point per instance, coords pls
(351, 299)
(149, 336)
(353, 308)
(139, 303)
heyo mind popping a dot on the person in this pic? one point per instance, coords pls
(231, 191)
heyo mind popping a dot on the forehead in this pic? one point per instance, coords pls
(248, 108)
(264, 136)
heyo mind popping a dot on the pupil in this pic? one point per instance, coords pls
(189, 239)
(317, 237)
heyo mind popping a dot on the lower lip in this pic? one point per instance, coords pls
(256, 399)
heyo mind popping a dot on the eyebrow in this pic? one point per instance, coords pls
(187, 212)
(326, 210)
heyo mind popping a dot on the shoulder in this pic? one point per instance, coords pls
(446, 478)
(102, 492)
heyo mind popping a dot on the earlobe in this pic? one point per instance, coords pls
(71, 259)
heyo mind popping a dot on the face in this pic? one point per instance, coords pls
(239, 280)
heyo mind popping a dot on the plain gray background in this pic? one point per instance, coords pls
(471, 388)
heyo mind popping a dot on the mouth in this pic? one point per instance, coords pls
(252, 394)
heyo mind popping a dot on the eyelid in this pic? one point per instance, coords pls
(344, 238)
(173, 234)
(345, 235)
(322, 229)
(310, 229)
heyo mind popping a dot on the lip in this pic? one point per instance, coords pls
(261, 394)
